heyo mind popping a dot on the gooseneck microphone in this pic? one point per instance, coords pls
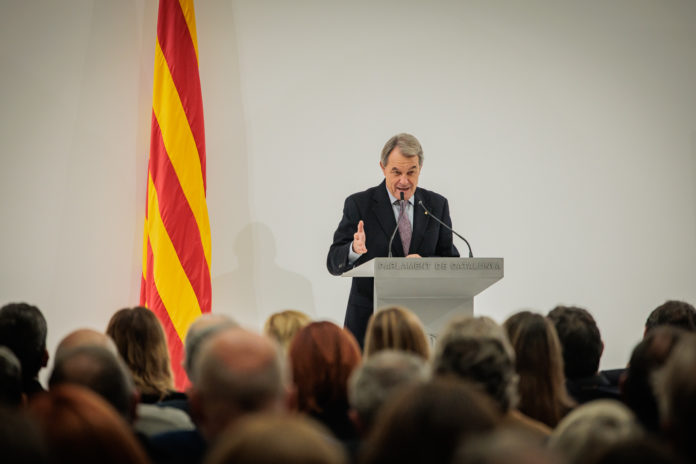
(391, 239)
(427, 212)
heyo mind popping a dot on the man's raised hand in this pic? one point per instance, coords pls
(359, 240)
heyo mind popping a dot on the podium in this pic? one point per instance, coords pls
(435, 289)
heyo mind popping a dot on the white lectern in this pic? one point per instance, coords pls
(434, 288)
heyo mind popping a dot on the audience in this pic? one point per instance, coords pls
(284, 325)
(675, 385)
(271, 439)
(477, 350)
(539, 364)
(142, 344)
(80, 428)
(498, 393)
(23, 330)
(676, 313)
(396, 328)
(323, 356)
(426, 423)
(377, 379)
(589, 430)
(582, 348)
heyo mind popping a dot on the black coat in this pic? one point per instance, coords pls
(374, 208)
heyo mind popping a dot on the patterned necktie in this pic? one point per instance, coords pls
(404, 228)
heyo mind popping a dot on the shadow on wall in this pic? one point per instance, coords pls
(258, 287)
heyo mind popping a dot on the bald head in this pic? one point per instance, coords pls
(237, 372)
(85, 337)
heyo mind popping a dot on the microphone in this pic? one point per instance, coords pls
(391, 239)
(428, 213)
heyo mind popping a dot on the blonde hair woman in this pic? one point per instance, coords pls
(284, 325)
(396, 328)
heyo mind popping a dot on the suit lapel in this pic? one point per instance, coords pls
(384, 212)
(420, 221)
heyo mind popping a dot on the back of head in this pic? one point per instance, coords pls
(677, 313)
(323, 356)
(83, 337)
(23, 330)
(675, 385)
(589, 430)
(282, 326)
(580, 340)
(200, 330)
(264, 439)
(477, 350)
(379, 377)
(504, 446)
(396, 328)
(80, 427)
(648, 357)
(142, 344)
(237, 372)
(100, 370)
(539, 363)
(10, 379)
(427, 422)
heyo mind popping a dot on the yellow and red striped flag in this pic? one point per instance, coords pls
(176, 253)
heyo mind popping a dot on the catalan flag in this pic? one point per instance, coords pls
(176, 250)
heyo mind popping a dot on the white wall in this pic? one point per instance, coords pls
(563, 134)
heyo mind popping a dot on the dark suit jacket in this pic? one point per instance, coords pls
(373, 207)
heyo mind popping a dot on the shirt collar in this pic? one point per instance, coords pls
(392, 198)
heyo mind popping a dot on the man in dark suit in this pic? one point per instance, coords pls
(370, 217)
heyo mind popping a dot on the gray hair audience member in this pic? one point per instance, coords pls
(675, 385)
(203, 327)
(271, 439)
(23, 330)
(677, 313)
(10, 379)
(237, 372)
(476, 349)
(376, 380)
(588, 431)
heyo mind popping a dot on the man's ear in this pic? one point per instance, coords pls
(44, 358)
(355, 419)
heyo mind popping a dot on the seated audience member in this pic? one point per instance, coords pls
(323, 356)
(21, 441)
(672, 312)
(142, 344)
(99, 368)
(637, 390)
(23, 330)
(284, 325)
(539, 364)
(675, 385)
(589, 430)
(477, 350)
(264, 439)
(236, 373)
(198, 332)
(582, 348)
(426, 423)
(504, 447)
(377, 379)
(643, 450)
(80, 427)
(396, 328)
(10, 379)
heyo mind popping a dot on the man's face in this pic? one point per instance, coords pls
(401, 173)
